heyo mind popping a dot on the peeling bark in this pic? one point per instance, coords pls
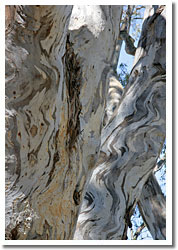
(131, 142)
(56, 85)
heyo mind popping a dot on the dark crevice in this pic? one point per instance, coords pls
(55, 159)
(73, 83)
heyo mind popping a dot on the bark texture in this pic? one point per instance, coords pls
(35, 44)
(152, 205)
(56, 85)
(132, 141)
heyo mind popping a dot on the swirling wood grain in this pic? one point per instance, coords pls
(55, 99)
(131, 142)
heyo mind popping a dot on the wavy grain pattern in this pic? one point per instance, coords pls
(131, 142)
(152, 205)
(35, 45)
(56, 89)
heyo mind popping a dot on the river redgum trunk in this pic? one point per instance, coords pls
(56, 87)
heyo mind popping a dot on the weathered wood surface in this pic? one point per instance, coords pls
(35, 44)
(132, 141)
(56, 85)
(152, 205)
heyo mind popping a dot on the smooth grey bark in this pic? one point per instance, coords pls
(132, 141)
(56, 85)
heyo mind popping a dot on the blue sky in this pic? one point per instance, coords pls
(125, 58)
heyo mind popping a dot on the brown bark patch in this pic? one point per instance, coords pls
(33, 130)
(9, 16)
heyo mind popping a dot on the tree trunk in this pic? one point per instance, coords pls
(56, 85)
(131, 142)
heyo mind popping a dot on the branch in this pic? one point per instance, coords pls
(114, 96)
(130, 146)
(152, 206)
(139, 8)
(129, 42)
(135, 18)
(159, 165)
(138, 232)
(124, 27)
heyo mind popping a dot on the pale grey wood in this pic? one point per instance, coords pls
(35, 45)
(131, 142)
(56, 84)
(152, 205)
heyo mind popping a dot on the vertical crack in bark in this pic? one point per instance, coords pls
(73, 83)
(55, 160)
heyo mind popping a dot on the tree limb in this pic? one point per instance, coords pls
(131, 143)
(129, 42)
(151, 200)
(152, 206)
(138, 231)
